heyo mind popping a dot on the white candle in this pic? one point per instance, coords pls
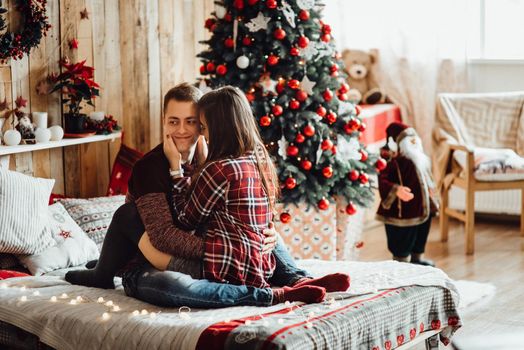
(40, 119)
(97, 116)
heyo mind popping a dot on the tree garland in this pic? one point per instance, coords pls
(34, 26)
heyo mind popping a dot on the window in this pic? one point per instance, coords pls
(496, 29)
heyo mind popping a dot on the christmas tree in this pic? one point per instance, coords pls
(281, 54)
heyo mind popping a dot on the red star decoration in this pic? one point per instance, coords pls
(43, 87)
(73, 43)
(20, 102)
(3, 105)
(65, 234)
(84, 14)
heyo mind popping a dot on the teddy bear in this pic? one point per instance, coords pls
(363, 87)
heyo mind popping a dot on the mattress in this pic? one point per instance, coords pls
(377, 313)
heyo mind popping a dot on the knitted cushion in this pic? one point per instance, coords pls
(122, 168)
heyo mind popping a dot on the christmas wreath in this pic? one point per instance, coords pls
(34, 25)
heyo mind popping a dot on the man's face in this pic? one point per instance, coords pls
(182, 123)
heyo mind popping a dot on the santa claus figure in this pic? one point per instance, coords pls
(406, 191)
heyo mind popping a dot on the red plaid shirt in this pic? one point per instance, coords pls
(229, 201)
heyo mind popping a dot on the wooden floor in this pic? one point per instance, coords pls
(498, 259)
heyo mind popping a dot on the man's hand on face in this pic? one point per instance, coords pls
(270, 240)
(201, 150)
(172, 154)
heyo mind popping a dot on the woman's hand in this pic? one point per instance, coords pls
(404, 193)
(201, 150)
(172, 154)
(270, 240)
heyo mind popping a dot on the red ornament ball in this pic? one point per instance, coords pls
(202, 69)
(334, 149)
(277, 110)
(272, 60)
(363, 155)
(294, 104)
(362, 127)
(333, 68)
(351, 208)
(300, 138)
(343, 97)
(294, 51)
(301, 95)
(280, 88)
(326, 29)
(293, 83)
(303, 15)
(265, 121)
(326, 38)
(209, 23)
(351, 126)
(228, 17)
(250, 97)
(292, 151)
(353, 175)
(343, 88)
(246, 41)
(331, 117)
(252, 2)
(381, 164)
(306, 164)
(309, 130)
(303, 41)
(210, 67)
(279, 34)
(327, 172)
(238, 4)
(326, 144)
(328, 95)
(285, 218)
(291, 183)
(323, 204)
(364, 179)
(221, 69)
(271, 4)
(321, 111)
(229, 42)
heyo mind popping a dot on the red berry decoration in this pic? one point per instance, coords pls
(303, 15)
(331, 117)
(327, 172)
(364, 179)
(353, 175)
(238, 4)
(229, 42)
(265, 121)
(328, 95)
(301, 95)
(294, 104)
(221, 69)
(277, 110)
(279, 34)
(272, 60)
(303, 41)
(246, 41)
(323, 204)
(326, 144)
(294, 51)
(306, 164)
(321, 111)
(271, 4)
(351, 208)
(210, 67)
(326, 38)
(202, 69)
(309, 130)
(293, 84)
(285, 218)
(291, 183)
(362, 127)
(292, 151)
(300, 138)
(363, 156)
(381, 164)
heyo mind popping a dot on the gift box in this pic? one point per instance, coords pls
(310, 233)
(377, 118)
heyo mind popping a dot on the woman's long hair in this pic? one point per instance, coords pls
(233, 132)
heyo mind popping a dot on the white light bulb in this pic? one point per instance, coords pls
(116, 308)
(100, 300)
(144, 312)
(152, 315)
(105, 316)
(53, 299)
(109, 303)
(37, 293)
(79, 299)
(136, 313)
(63, 296)
(23, 298)
(73, 302)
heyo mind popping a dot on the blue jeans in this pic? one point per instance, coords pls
(171, 288)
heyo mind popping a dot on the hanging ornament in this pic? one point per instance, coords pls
(279, 34)
(307, 85)
(271, 4)
(291, 183)
(235, 34)
(73, 43)
(303, 41)
(242, 62)
(381, 164)
(344, 88)
(209, 23)
(272, 60)
(285, 218)
(292, 151)
(288, 13)
(353, 175)
(281, 85)
(293, 84)
(265, 121)
(84, 14)
(277, 110)
(363, 155)
(229, 43)
(238, 4)
(252, 2)
(294, 51)
(220, 11)
(343, 97)
(326, 29)
(282, 148)
(258, 23)
(294, 104)
(323, 204)
(364, 178)
(221, 69)
(327, 95)
(246, 41)
(331, 117)
(268, 84)
(327, 172)
(306, 4)
(321, 111)
(309, 130)
(301, 95)
(326, 38)
(303, 15)
(351, 208)
(202, 69)
(347, 150)
(306, 164)
(326, 144)
(362, 127)
(210, 67)
(351, 126)
(300, 138)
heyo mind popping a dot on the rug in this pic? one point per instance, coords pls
(472, 293)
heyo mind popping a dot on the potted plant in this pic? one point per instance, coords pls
(77, 84)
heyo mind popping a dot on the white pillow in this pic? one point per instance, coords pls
(73, 247)
(23, 213)
(494, 164)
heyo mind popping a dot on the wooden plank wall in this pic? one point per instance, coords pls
(139, 48)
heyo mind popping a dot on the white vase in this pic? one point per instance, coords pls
(57, 133)
(12, 137)
(40, 119)
(42, 135)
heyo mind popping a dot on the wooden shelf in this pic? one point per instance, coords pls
(7, 150)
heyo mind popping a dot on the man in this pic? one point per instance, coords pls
(406, 189)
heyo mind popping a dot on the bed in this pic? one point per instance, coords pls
(389, 305)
